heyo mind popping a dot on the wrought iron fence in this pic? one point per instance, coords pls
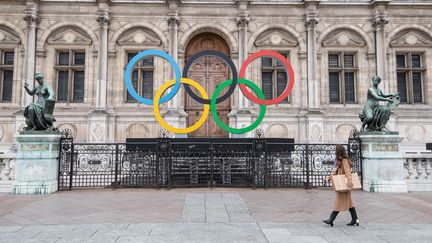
(175, 162)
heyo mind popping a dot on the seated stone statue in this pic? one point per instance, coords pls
(39, 115)
(375, 116)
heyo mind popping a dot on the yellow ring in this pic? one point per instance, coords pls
(170, 128)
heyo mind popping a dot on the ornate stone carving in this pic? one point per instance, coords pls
(315, 133)
(416, 133)
(97, 132)
(242, 22)
(138, 36)
(343, 38)
(311, 20)
(411, 38)
(276, 38)
(8, 36)
(69, 35)
(103, 17)
(137, 130)
(70, 128)
(32, 17)
(277, 131)
(380, 19)
(173, 21)
(343, 132)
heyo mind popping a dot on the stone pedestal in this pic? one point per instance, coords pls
(383, 164)
(36, 168)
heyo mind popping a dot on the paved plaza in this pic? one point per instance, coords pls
(211, 215)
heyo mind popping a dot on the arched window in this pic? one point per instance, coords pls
(8, 43)
(410, 48)
(133, 41)
(273, 75)
(343, 48)
(70, 46)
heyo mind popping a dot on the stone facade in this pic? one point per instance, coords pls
(308, 30)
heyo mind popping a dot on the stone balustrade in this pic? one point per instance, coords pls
(418, 171)
(7, 171)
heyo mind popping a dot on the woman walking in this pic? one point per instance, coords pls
(343, 200)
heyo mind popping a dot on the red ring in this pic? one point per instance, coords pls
(288, 68)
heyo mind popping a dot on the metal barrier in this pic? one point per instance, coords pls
(210, 162)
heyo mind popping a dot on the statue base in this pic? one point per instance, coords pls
(36, 168)
(383, 164)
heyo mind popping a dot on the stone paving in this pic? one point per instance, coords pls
(204, 215)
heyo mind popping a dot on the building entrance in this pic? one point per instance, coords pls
(209, 72)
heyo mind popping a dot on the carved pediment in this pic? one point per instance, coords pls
(138, 37)
(8, 37)
(275, 38)
(344, 38)
(69, 36)
(411, 38)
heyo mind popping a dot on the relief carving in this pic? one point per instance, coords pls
(69, 35)
(339, 38)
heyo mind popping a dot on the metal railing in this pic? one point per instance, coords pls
(171, 162)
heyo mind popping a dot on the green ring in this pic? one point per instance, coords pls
(227, 128)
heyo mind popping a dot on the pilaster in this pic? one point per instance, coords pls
(379, 21)
(32, 19)
(174, 114)
(311, 20)
(241, 114)
(242, 24)
(101, 90)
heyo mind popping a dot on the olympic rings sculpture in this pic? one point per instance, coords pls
(209, 103)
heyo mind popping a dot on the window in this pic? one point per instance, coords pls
(342, 77)
(6, 75)
(274, 77)
(70, 74)
(409, 73)
(142, 77)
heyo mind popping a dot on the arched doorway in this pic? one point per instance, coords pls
(209, 72)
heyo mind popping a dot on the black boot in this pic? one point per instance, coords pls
(354, 218)
(330, 220)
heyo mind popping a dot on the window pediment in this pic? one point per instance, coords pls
(411, 39)
(275, 38)
(139, 37)
(69, 36)
(343, 38)
(7, 37)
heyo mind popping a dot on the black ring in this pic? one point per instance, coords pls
(227, 60)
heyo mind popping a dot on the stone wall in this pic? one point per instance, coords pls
(307, 30)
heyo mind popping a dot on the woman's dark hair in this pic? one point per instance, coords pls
(340, 151)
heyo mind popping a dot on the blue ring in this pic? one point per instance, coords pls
(129, 69)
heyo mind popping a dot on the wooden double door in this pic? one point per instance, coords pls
(209, 71)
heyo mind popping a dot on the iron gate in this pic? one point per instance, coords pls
(176, 162)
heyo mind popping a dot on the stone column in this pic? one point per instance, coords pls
(242, 23)
(32, 19)
(313, 84)
(315, 130)
(173, 23)
(101, 88)
(174, 113)
(98, 125)
(241, 115)
(379, 21)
